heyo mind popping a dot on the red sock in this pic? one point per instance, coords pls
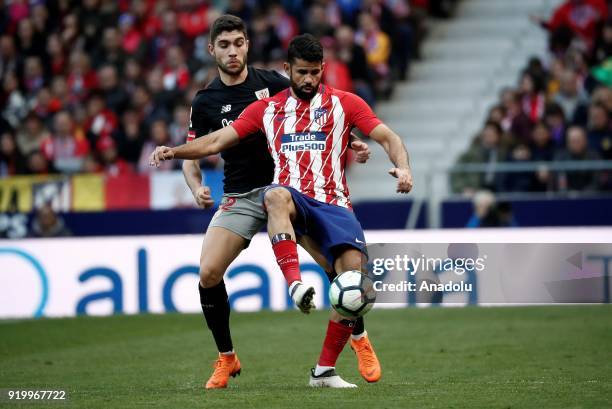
(287, 259)
(335, 339)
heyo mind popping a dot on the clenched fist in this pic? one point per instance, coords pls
(203, 198)
(404, 179)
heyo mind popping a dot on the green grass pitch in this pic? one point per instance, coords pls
(522, 357)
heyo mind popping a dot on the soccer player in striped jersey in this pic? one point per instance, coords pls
(307, 129)
(248, 169)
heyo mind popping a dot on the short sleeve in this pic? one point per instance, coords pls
(359, 113)
(250, 120)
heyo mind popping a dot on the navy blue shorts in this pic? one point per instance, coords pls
(328, 225)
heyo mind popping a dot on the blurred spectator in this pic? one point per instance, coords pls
(176, 74)
(8, 56)
(116, 97)
(557, 68)
(40, 18)
(263, 40)
(15, 105)
(130, 136)
(67, 147)
(240, 8)
(159, 136)
(47, 223)
(132, 40)
(193, 17)
(33, 76)
(17, 10)
(524, 181)
(133, 73)
(180, 124)
(110, 51)
(147, 110)
(31, 135)
(354, 57)
(603, 95)
(101, 122)
(532, 95)
(600, 130)
(60, 96)
(81, 77)
(29, 42)
(486, 149)
(577, 149)
(516, 121)
(285, 25)
(497, 114)
(554, 118)
(56, 55)
(112, 164)
(571, 95)
(317, 23)
(336, 73)
(168, 37)
(37, 164)
(377, 46)
(542, 145)
(70, 32)
(395, 18)
(603, 46)
(91, 25)
(488, 213)
(11, 159)
(578, 18)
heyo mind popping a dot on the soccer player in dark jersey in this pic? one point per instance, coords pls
(248, 168)
(307, 129)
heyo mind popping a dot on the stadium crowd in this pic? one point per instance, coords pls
(559, 111)
(95, 85)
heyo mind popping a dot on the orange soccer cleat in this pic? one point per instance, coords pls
(369, 367)
(225, 366)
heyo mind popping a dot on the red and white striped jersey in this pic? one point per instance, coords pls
(308, 140)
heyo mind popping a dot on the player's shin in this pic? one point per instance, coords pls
(336, 338)
(285, 250)
(216, 309)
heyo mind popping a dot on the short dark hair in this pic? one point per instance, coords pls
(227, 22)
(498, 129)
(305, 47)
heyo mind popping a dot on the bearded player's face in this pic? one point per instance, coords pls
(305, 77)
(230, 51)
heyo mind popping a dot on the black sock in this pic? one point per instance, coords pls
(359, 325)
(216, 309)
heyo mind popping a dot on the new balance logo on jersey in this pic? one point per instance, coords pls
(262, 93)
(303, 141)
(226, 108)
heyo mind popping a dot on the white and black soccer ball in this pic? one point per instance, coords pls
(352, 294)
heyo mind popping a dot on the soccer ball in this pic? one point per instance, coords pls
(352, 294)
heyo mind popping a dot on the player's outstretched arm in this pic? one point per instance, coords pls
(393, 145)
(198, 148)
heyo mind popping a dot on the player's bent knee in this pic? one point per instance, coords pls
(210, 277)
(277, 199)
